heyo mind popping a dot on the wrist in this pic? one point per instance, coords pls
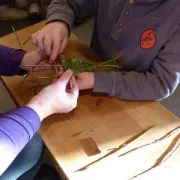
(92, 80)
(39, 109)
(60, 24)
(30, 58)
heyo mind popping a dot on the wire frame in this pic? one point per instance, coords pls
(46, 67)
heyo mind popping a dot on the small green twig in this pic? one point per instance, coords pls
(78, 66)
(26, 40)
(109, 61)
(108, 65)
(17, 38)
(75, 65)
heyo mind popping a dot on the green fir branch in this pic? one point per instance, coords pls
(78, 66)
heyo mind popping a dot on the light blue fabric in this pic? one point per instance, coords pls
(27, 163)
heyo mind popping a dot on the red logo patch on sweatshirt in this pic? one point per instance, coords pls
(148, 39)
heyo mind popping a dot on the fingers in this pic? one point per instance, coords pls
(33, 37)
(64, 79)
(38, 40)
(74, 90)
(63, 45)
(61, 69)
(54, 80)
(55, 47)
(62, 56)
(48, 45)
(52, 39)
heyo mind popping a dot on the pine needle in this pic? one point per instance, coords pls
(17, 38)
(78, 66)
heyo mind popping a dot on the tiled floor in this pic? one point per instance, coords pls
(84, 33)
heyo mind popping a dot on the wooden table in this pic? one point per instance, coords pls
(114, 121)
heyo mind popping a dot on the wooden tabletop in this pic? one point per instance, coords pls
(114, 122)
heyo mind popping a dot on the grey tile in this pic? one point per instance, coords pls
(6, 101)
(172, 103)
(84, 31)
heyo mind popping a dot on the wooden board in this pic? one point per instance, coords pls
(115, 122)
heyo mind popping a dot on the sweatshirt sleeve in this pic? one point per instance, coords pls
(158, 83)
(10, 59)
(17, 127)
(68, 10)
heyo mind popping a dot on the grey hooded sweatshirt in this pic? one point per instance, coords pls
(145, 32)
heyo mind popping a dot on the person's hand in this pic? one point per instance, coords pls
(56, 98)
(52, 39)
(32, 58)
(85, 80)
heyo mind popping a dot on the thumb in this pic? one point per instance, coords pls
(74, 90)
(65, 77)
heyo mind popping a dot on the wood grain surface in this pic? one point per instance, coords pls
(114, 122)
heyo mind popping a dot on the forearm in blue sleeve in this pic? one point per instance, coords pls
(17, 127)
